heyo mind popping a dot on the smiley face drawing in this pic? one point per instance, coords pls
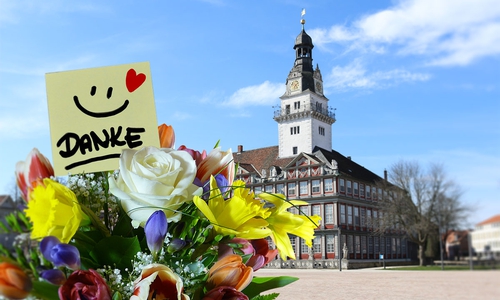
(133, 81)
(96, 113)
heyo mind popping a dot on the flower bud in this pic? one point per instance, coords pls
(167, 136)
(224, 292)
(230, 271)
(14, 282)
(60, 254)
(54, 276)
(35, 167)
(156, 231)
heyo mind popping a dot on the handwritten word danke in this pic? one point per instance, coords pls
(72, 142)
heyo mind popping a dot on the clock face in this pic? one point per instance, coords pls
(319, 87)
(295, 85)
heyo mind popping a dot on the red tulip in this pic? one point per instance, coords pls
(85, 285)
(167, 136)
(35, 167)
(196, 155)
(14, 283)
(225, 293)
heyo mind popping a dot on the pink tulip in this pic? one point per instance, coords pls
(196, 155)
(35, 167)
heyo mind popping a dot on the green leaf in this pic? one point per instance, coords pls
(266, 297)
(116, 251)
(261, 284)
(44, 290)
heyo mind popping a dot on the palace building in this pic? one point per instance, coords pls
(304, 166)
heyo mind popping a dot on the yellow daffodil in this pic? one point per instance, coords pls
(54, 210)
(281, 223)
(241, 215)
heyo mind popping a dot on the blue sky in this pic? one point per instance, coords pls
(413, 80)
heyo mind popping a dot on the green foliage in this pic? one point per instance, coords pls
(116, 251)
(271, 296)
(44, 290)
(262, 284)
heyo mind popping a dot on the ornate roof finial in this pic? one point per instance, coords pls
(302, 21)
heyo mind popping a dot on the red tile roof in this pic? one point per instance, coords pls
(494, 219)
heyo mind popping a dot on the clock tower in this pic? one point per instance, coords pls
(304, 118)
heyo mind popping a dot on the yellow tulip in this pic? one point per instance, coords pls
(54, 210)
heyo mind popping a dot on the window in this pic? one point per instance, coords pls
(296, 105)
(375, 219)
(363, 244)
(376, 244)
(291, 189)
(317, 244)
(287, 109)
(388, 245)
(329, 214)
(363, 217)
(368, 192)
(369, 218)
(403, 246)
(319, 106)
(370, 244)
(315, 186)
(304, 210)
(303, 188)
(356, 191)
(268, 188)
(294, 150)
(356, 216)
(328, 185)
(294, 130)
(304, 248)
(342, 214)
(361, 190)
(321, 130)
(357, 244)
(349, 215)
(393, 248)
(292, 242)
(316, 210)
(330, 243)
(280, 188)
(257, 189)
(350, 243)
(349, 187)
(342, 185)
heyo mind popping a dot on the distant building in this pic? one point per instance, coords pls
(457, 244)
(7, 206)
(486, 238)
(304, 166)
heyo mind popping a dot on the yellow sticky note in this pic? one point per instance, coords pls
(95, 113)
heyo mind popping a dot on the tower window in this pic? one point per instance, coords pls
(287, 109)
(296, 104)
(321, 130)
(294, 130)
(295, 150)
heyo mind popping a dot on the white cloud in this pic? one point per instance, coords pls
(446, 32)
(266, 93)
(355, 76)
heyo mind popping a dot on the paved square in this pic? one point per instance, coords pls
(387, 284)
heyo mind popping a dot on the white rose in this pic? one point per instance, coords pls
(152, 179)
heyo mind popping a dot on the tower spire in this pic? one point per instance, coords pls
(302, 20)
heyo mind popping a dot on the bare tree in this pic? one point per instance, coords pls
(418, 202)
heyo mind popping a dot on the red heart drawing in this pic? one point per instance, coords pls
(134, 80)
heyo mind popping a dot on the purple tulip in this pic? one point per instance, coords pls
(60, 254)
(156, 231)
(54, 276)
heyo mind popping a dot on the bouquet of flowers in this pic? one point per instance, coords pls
(167, 224)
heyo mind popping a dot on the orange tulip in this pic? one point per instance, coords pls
(230, 271)
(14, 283)
(167, 136)
(35, 167)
